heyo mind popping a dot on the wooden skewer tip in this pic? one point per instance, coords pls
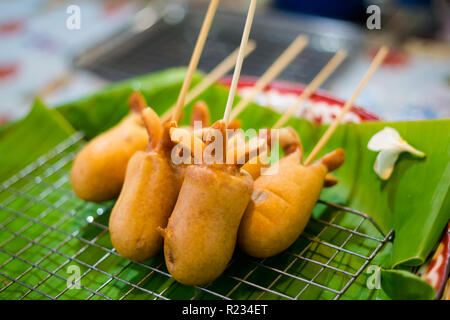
(376, 62)
(195, 58)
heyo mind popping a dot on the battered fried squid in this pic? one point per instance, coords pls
(283, 199)
(148, 196)
(201, 233)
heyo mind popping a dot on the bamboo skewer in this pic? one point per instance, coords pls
(218, 72)
(274, 70)
(194, 59)
(382, 53)
(315, 83)
(240, 59)
(319, 79)
(54, 85)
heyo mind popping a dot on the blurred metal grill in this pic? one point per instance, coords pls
(45, 229)
(165, 45)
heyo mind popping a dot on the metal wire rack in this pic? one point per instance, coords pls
(47, 232)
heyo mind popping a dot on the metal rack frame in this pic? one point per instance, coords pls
(42, 190)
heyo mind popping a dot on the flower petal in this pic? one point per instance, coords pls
(384, 163)
(384, 139)
(390, 144)
(404, 146)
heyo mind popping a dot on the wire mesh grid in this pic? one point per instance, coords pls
(49, 237)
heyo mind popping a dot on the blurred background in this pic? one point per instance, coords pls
(41, 56)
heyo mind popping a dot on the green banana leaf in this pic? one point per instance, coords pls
(400, 283)
(414, 202)
(42, 127)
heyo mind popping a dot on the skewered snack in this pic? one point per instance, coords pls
(282, 202)
(148, 196)
(99, 169)
(201, 234)
(284, 198)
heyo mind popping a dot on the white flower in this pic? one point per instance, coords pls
(390, 145)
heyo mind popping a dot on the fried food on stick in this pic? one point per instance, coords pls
(282, 202)
(283, 198)
(148, 196)
(201, 234)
